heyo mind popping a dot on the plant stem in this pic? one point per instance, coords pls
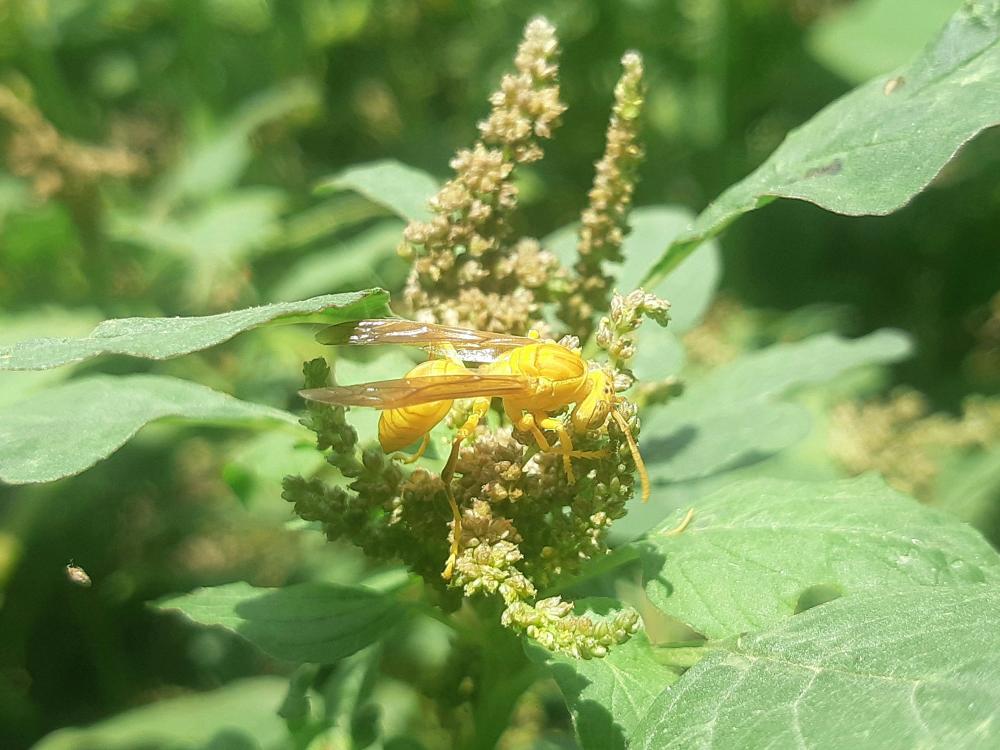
(506, 675)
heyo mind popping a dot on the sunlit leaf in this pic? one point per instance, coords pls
(878, 671)
(257, 465)
(15, 386)
(67, 429)
(350, 263)
(608, 697)
(235, 226)
(307, 622)
(730, 417)
(968, 485)
(711, 440)
(216, 162)
(872, 150)
(659, 353)
(871, 37)
(754, 547)
(162, 338)
(402, 189)
(689, 289)
(242, 714)
(14, 195)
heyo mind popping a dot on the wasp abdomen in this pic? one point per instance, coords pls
(398, 428)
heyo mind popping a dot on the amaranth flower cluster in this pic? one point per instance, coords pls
(524, 526)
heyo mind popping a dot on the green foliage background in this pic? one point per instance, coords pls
(239, 109)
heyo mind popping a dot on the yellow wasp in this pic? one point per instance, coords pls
(534, 378)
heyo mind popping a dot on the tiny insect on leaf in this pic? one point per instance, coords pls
(78, 575)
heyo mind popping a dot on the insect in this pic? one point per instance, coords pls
(534, 378)
(77, 575)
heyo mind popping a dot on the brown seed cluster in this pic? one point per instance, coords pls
(467, 270)
(903, 441)
(56, 164)
(527, 105)
(983, 363)
(604, 221)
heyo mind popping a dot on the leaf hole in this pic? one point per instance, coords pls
(813, 596)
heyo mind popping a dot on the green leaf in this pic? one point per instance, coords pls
(241, 714)
(754, 547)
(16, 386)
(296, 708)
(594, 568)
(307, 622)
(69, 428)
(163, 338)
(562, 243)
(15, 195)
(349, 263)
(878, 671)
(256, 467)
(350, 707)
(607, 697)
(216, 162)
(690, 288)
(969, 487)
(402, 189)
(722, 440)
(659, 354)
(770, 372)
(236, 225)
(872, 150)
(730, 416)
(867, 38)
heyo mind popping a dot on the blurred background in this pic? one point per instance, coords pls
(159, 158)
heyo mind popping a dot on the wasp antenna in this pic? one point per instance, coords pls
(633, 447)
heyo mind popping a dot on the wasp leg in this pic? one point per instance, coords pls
(565, 444)
(528, 423)
(456, 535)
(404, 459)
(479, 408)
(532, 422)
(447, 474)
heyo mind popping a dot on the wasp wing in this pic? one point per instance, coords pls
(469, 345)
(393, 394)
